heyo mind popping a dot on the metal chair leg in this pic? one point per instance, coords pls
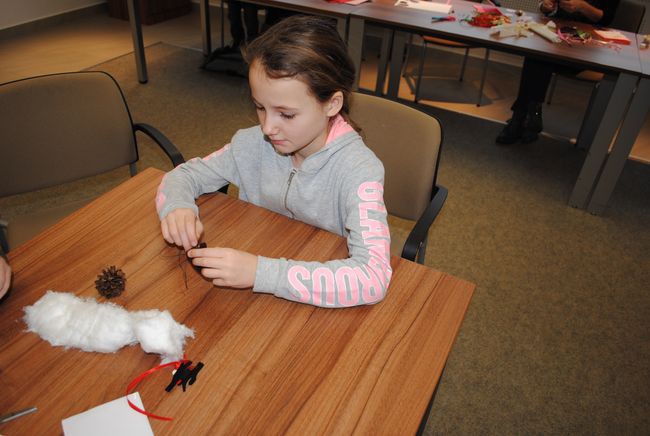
(551, 89)
(462, 68)
(223, 22)
(483, 76)
(420, 68)
(406, 56)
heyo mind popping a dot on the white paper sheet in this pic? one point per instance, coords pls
(113, 418)
(441, 8)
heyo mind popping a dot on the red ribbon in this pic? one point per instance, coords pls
(139, 378)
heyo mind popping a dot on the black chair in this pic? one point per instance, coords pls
(63, 127)
(431, 40)
(442, 42)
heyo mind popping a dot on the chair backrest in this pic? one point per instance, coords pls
(628, 16)
(62, 127)
(407, 142)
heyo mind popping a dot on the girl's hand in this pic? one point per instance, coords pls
(182, 227)
(547, 6)
(571, 6)
(226, 266)
(5, 276)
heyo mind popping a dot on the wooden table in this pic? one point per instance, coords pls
(621, 68)
(271, 365)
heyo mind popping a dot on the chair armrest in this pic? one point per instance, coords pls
(4, 245)
(419, 233)
(168, 147)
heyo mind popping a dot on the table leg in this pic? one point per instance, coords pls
(597, 152)
(595, 112)
(204, 7)
(628, 133)
(396, 61)
(384, 57)
(355, 45)
(138, 45)
(342, 27)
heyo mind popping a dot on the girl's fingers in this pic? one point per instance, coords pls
(206, 253)
(219, 282)
(172, 230)
(207, 262)
(177, 234)
(226, 266)
(182, 228)
(188, 232)
(165, 231)
(212, 273)
(199, 230)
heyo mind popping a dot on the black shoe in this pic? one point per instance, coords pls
(533, 123)
(231, 52)
(534, 117)
(528, 136)
(513, 130)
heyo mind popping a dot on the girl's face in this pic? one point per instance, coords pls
(294, 121)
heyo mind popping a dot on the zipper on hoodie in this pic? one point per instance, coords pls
(286, 194)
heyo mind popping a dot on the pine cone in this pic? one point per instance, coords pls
(110, 283)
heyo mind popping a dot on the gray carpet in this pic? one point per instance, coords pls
(557, 337)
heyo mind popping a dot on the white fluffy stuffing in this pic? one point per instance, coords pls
(66, 320)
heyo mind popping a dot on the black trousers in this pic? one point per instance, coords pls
(535, 78)
(237, 31)
(275, 15)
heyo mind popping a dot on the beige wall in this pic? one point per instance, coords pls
(15, 12)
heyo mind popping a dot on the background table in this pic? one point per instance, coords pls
(271, 365)
(621, 68)
(630, 128)
(338, 11)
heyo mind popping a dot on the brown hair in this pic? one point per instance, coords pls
(310, 49)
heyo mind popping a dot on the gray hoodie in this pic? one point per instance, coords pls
(339, 189)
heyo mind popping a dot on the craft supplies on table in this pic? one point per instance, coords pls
(612, 35)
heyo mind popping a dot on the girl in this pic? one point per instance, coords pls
(305, 161)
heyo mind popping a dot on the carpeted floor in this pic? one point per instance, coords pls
(557, 338)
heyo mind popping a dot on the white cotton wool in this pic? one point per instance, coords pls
(64, 319)
(158, 333)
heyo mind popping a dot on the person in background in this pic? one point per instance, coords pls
(241, 31)
(306, 161)
(526, 121)
(246, 30)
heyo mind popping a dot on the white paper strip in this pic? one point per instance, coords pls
(441, 8)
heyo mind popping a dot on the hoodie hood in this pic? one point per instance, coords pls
(341, 134)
